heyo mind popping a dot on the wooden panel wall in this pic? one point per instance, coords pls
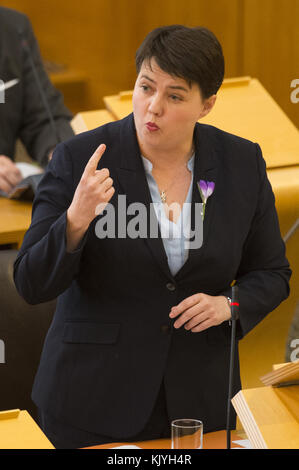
(100, 37)
(271, 48)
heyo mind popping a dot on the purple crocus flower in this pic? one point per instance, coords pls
(206, 188)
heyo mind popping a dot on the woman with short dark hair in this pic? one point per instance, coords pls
(141, 331)
(193, 54)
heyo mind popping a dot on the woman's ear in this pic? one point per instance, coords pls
(208, 105)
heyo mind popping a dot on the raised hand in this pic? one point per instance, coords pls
(94, 190)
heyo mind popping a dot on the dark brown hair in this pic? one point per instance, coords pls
(193, 54)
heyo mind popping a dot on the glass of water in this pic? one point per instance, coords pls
(186, 434)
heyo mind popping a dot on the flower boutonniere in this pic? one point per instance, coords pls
(206, 189)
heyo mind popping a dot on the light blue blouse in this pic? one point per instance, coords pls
(174, 235)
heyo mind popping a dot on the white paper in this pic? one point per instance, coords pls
(27, 169)
(244, 443)
(11, 83)
(126, 447)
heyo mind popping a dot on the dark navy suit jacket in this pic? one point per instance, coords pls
(23, 114)
(111, 342)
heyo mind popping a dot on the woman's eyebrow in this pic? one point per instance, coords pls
(148, 78)
(178, 87)
(173, 87)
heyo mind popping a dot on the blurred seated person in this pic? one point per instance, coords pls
(22, 112)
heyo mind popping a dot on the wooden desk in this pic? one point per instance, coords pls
(248, 110)
(87, 120)
(67, 77)
(119, 105)
(211, 440)
(15, 218)
(18, 430)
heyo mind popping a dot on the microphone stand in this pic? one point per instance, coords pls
(234, 316)
(25, 47)
(292, 230)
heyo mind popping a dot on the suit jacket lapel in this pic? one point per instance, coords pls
(205, 168)
(132, 179)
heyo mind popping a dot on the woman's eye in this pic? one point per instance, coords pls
(175, 98)
(145, 87)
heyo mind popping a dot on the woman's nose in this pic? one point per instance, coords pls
(156, 105)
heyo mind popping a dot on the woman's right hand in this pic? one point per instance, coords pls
(92, 194)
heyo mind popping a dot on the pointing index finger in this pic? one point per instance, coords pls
(93, 162)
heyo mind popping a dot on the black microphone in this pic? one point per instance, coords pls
(26, 48)
(234, 316)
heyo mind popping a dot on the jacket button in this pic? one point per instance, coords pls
(165, 328)
(170, 286)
